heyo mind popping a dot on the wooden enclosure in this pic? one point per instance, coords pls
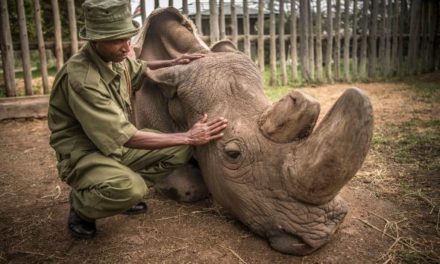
(299, 40)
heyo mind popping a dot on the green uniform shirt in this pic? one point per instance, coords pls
(89, 106)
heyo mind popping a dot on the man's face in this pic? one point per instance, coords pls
(113, 50)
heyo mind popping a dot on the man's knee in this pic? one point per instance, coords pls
(125, 188)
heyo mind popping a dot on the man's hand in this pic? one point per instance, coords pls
(202, 132)
(187, 58)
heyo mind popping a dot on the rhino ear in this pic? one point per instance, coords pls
(168, 78)
(167, 34)
(224, 46)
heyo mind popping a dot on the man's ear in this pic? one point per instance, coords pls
(168, 78)
(224, 46)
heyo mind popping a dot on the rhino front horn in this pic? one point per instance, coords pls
(291, 118)
(321, 165)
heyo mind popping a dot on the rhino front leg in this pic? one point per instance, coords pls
(184, 184)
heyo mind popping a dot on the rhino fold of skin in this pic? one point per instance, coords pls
(272, 169)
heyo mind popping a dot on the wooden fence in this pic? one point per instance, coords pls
(338, 40)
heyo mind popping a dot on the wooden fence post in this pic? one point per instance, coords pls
(282, 42)
(318, 42)
(58, 37)
(72, 26)
(41, 47)
(382, 37)
(338, 41)
(396, 17)
(185, 7)
(372, 58)
(388, 38)
(329, 46)
(24, 43)
(354, 50)
(247, 43)
(222, 19)
(143, 12)
(363, 59)
(213, 21)
(199, 18)
(304, 47)
(7, 50)
(414, 35)
(156, 4)
(293, 41)
(311, 41)
(346, 41)
(261, 36)
(234, 23)
(273, 48)
(170, 2)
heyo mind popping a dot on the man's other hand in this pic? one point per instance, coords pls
(203, 131)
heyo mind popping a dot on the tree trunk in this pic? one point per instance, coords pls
(414, 35)
(213, 21)
(318, 42)
(373, 41)
(311, 41)
(304, 47)
(346, 41)
(58, 37)
(338, 41)
(282, 44)
(185, 7)
(24, 42)
(363, 61)
(199, 18)
(388, 39)
(394, 60)
(41, 47)
(354, 51)
(329, 49)
(222, 19)
(72, 26)
(234, 23)
(7, 50)
(293, 40)
(247, 43)
(273, 49)
(261, 36)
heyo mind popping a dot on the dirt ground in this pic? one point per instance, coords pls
(393, 218)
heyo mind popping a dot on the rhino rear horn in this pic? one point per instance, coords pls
(331, 156)
(291, 118)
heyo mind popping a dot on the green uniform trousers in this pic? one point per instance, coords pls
(103, 186)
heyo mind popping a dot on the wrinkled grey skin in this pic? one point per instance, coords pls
(283, 187)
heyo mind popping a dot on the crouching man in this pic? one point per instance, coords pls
(106, 160)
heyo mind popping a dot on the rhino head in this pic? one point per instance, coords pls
(272, 170)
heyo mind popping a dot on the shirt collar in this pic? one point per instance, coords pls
(104, 68)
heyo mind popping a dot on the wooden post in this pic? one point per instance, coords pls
(329, 46)
(401, 65)
(346, 41)
(72, 26)
(234, 23)
(388, 39)
(293, 41)
(433, 25)
(24, 42)
(282, 42)
(247, 43)
(354, 51)
(318, 42)
(58, 37)
(170, 2)
(41, 47)
(261, 36)
(199, 18)
(156, 4)
(382, 36)
(185, 7)
(372, 58)
(311, 41)
(414, 35)
(394, 61)
(273, 49)
(363, 60)
(7, 50)
(143, 11)
(222, 19)
(338, 41)
(304, 47)
(213, 21)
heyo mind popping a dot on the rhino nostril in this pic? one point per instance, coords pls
(290, 244)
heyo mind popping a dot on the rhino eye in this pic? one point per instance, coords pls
(233, 154)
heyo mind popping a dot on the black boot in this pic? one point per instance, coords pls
(138, 208)
(79, 227)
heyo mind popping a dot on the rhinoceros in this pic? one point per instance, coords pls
(272, 170)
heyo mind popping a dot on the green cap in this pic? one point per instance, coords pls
(108, 20)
